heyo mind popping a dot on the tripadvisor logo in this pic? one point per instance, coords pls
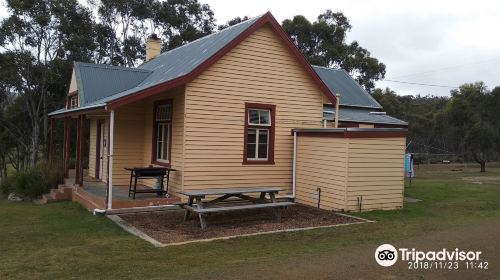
(386, 255)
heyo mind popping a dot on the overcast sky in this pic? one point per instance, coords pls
(444, 43)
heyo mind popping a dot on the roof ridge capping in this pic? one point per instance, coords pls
(111, 67)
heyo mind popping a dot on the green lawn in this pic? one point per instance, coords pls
(63, 240)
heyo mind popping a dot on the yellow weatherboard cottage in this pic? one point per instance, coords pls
(238, 108)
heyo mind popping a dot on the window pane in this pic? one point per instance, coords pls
(163, 112)
(159, 135)
(264, 117)
(253, 116)
(251, 136)
(263, 133)
(165, 142)
(263, 150)
(250, 150)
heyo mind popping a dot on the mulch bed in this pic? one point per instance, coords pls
(169, 227)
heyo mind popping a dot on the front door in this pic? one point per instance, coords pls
(100, 149)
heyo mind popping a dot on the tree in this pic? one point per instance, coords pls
(468, 111)
(232, 22)
(36, 36)
(323, 42)
(124, 26)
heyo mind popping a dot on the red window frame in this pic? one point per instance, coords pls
(154, 159)
(270, 156)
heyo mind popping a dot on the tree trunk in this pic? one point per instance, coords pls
(34, 143)
(483, 166)
(45, 125)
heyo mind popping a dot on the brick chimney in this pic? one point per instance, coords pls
(153, 47)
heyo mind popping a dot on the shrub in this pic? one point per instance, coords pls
(34, 181)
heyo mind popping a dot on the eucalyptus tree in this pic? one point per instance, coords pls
(124, 25)
(323, 42)
(37, 37)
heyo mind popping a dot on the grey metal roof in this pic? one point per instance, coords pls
(97, 81)
(351, 93)
(349, 114)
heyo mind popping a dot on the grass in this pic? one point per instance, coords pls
(63, 240)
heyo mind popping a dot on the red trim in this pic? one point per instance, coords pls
(67, 129)
(265, 19)
(270, 156)
(383, 125)
(375, 125)
(98, 148)
(348, 124)
(153, 154)
(355, 134)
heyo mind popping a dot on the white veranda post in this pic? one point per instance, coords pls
(110, 159)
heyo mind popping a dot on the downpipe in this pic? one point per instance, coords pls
(99, 212)
(294, 168)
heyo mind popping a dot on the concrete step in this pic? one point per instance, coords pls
(61, 193)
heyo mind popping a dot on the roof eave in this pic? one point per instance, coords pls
(76, 111)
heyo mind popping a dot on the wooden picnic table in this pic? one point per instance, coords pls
(148, 172)
(220, 203)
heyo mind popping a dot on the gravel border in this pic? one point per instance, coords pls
(131, 228)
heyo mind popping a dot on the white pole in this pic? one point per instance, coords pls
(337, 114)
(294, 164)
(110, 159)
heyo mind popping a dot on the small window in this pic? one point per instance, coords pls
(328, 112)
(259, 134)
(73, 101)
(162, 132)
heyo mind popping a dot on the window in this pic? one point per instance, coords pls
(73, 101)
(162, 132)
(328, 112)
(259, 134)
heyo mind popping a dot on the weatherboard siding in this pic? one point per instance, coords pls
(93, 119)
(376, 172)
(73, 85)
(321, 164)
(348, 169)
(177, 148)
(133, 138)
(92, 146)
(259, 70)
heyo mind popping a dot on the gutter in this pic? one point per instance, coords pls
(75, 110)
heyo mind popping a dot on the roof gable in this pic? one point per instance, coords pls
(351, 93)
(95, 81)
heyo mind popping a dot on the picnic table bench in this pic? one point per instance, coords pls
(222, 204)
(148, 172)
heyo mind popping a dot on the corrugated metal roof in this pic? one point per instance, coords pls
(363, 115)
(351, 93)
(97, 81)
